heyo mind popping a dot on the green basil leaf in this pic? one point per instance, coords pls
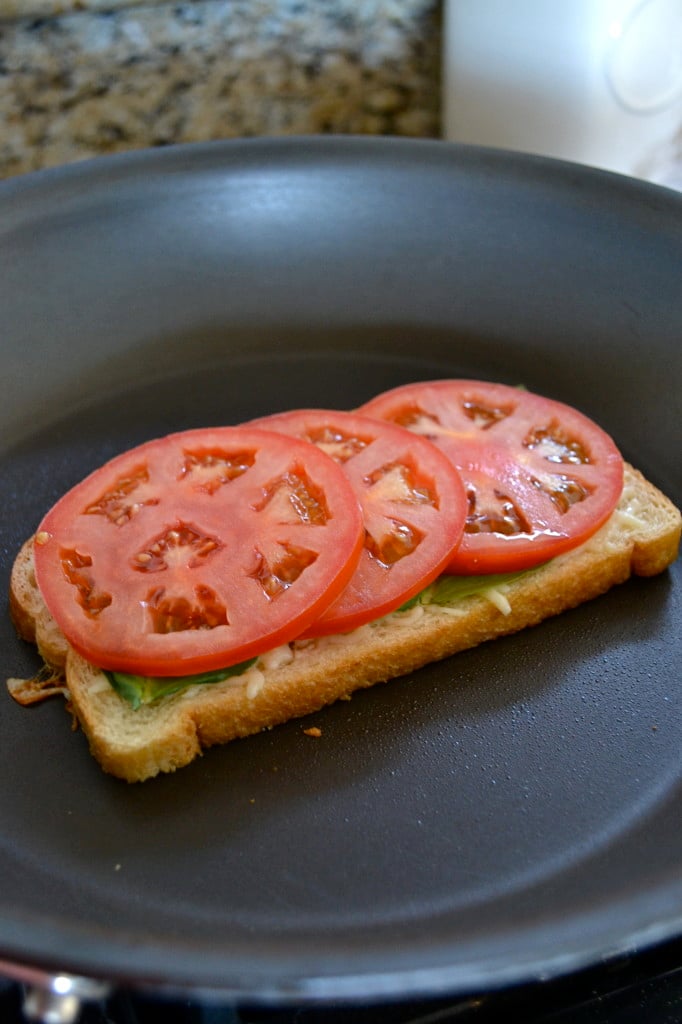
(139, 690)
(449, 589)
(419, 598)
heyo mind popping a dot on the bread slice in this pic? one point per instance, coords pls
(642, 537)
(31, 618)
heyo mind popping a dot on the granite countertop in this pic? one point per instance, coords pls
(18, 9)
(79, 78)
(83, 78)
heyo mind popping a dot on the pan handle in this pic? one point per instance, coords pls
(53, 998)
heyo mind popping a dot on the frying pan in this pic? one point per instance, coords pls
(505, 815)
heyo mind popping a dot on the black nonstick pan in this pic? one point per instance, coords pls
(506, 815)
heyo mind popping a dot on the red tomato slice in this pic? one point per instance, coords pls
(413, 504)
(540, 477)
(198, 550)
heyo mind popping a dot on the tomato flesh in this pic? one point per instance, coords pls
(198, 550)
(413, 504)
(540, 476)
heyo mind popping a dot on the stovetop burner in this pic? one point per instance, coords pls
(645, 988)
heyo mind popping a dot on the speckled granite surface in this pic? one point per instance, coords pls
(83, 83)
(10, 9)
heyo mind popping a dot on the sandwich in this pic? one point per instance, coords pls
(208, 585)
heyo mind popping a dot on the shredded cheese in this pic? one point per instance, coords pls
(447, 609)
(343, 639)
(276, 658)
(409, 617)
(254, 680)
(496, 597)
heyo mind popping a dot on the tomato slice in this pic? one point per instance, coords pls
(198, 550)
(413, 503)
(540, 476)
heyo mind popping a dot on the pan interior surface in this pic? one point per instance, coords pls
(509, 812)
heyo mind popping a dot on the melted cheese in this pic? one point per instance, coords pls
(409, 617)
(496, 597)
(276, 658)
(254, 681)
